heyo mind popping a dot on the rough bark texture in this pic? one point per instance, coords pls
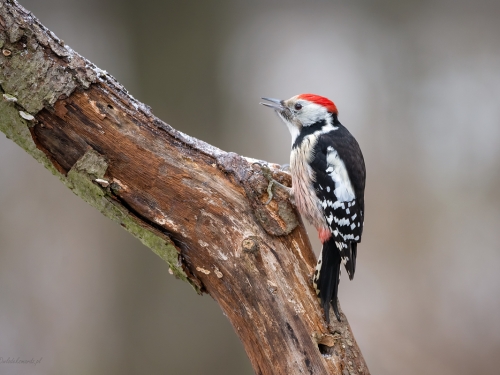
(199, 208)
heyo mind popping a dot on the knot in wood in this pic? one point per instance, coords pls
(250, 245)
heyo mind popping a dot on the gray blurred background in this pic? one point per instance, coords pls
(417, 83)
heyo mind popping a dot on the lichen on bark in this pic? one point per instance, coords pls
(16, 129)
(27, 73)
(36, 81)
(81, 180)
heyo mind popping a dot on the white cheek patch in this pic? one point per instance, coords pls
(312, 113)
(337, 171)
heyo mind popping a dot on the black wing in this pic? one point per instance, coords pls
(337, 155)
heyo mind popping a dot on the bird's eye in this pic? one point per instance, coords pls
(298, 106)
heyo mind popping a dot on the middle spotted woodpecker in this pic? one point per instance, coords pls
(328, 184)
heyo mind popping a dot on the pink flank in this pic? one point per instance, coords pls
(324, 234)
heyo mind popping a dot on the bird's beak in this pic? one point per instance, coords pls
(274, 103)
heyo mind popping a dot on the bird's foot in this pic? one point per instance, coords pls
(285, 167)
(266, 172)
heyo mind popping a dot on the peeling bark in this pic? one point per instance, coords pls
(199, 208)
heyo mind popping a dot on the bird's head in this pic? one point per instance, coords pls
(303, 110)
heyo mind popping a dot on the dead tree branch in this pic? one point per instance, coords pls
(199, 208)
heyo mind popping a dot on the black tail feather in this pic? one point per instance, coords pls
(348, 255)
(354, 252)
(328, 278)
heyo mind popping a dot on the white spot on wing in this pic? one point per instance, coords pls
(329, 219)
(341, 222)
(336, 205)
(338, 172)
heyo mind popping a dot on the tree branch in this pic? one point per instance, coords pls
(199, 208)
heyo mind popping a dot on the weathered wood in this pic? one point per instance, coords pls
(199, 208)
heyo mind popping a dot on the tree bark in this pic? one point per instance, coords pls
(199, 208)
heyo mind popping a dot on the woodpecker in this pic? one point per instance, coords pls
(328, 184)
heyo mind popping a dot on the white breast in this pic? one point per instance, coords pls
(303, 176)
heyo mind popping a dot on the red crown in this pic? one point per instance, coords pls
(320, 100)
